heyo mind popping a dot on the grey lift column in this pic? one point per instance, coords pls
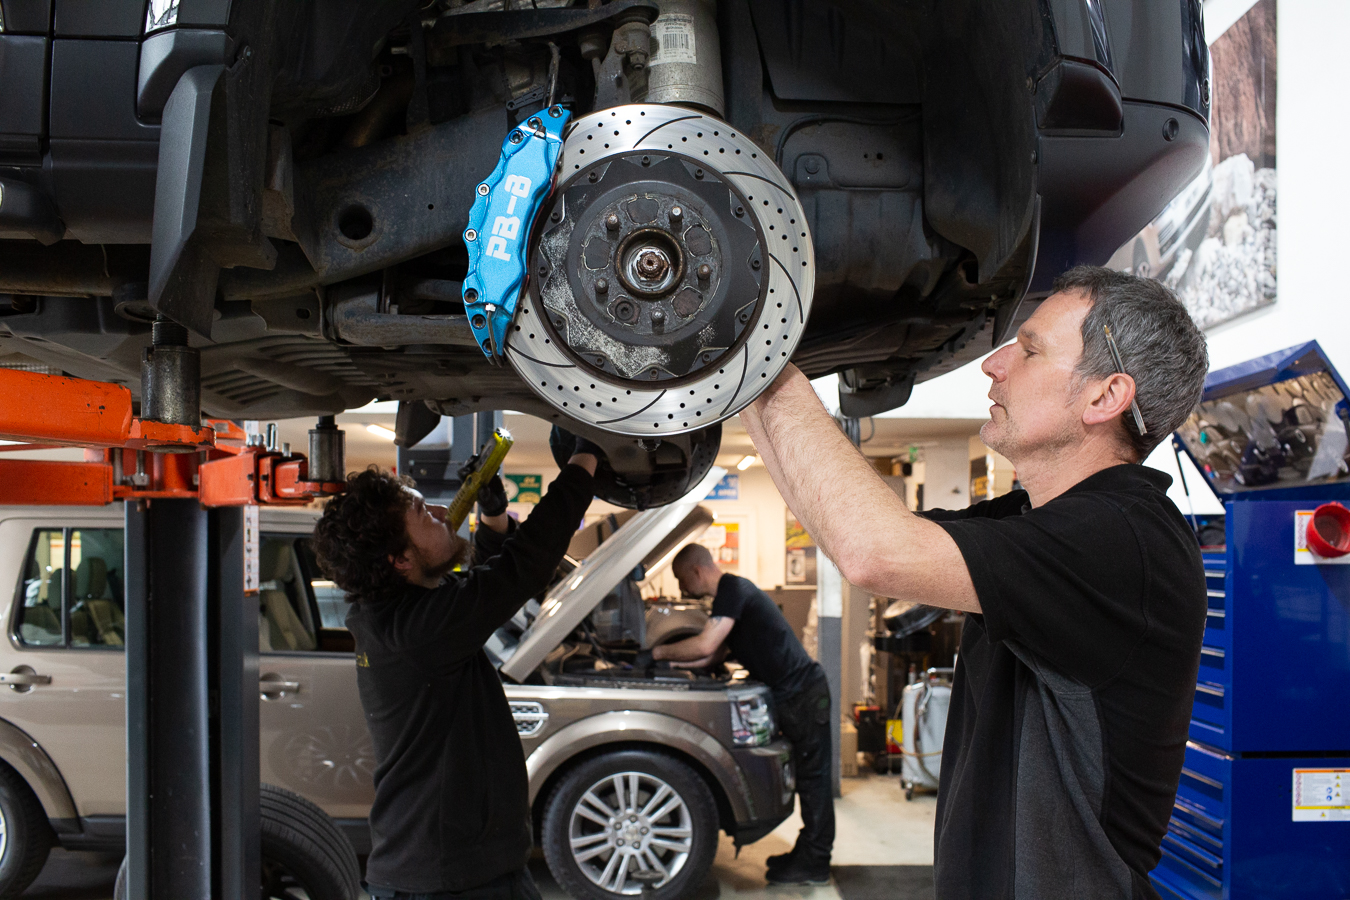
(192, 705)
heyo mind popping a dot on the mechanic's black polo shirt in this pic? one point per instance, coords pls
(762, 640)
(451, 804)
(1073, 692)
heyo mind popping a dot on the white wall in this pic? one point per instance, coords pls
(946, 474)
(1314, 194)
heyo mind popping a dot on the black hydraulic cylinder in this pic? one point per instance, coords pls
(327, 451)
(171, 377)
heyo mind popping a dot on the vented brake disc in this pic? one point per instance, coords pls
(671, 277)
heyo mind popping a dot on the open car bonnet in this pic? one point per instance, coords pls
(647, 539)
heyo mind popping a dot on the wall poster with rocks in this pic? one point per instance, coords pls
(1215, 243)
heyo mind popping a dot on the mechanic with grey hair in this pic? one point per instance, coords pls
(748, 625)
(1085, 591)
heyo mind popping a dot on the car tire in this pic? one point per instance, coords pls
(682, 791)
(25, 836)
(302, 849)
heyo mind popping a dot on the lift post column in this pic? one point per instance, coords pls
(192, 704)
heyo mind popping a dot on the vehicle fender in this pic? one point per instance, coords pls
(36, 767)
(641, 726)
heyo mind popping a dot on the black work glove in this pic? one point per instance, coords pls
(585, 446)
(567, 442)
(644, 662)
(492, 498)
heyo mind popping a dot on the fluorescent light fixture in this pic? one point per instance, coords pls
(746, 463)
(381, 431)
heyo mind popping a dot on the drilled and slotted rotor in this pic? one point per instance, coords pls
(672, 276)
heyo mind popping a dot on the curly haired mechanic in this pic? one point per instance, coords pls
(1077, 667)
(451, 815)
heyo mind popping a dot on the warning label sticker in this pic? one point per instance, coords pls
(1321, 795)
(251, 535)
(673, 35)
(1303, 555)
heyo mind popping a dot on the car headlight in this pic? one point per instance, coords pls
(751, 717)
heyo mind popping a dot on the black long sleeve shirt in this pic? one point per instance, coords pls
(451, 804)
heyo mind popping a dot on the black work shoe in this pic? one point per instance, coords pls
(799, 871)
(781, 859)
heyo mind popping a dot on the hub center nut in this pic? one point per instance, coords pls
(650, 262)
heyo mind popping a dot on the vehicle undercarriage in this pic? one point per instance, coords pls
(878, 190)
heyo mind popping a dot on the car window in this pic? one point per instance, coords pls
(72, 589)
(95, 598)
(331, 599)
(286, 622)
(38, 623)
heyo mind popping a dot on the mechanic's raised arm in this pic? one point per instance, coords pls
(527, 557)
(841, 501)
(699, 648)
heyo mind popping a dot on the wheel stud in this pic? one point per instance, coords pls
(612, 222)
(676, 214)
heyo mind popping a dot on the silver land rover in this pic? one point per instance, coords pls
(628, 772)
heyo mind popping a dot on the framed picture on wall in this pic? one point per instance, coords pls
(801, 555)
(1214, 244)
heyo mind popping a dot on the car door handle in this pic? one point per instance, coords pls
(269, 687)
(24, 678)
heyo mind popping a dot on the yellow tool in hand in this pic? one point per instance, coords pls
(477, 472)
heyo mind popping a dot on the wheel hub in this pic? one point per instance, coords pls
(673, 275)
(627, 822)
(646, 271)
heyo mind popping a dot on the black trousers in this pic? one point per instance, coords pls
(804, 718)
(517, 885)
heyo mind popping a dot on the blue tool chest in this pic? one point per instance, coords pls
(1259, 813)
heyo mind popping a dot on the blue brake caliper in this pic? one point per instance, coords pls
(499, 225)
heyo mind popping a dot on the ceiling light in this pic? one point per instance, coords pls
(381, 431)
(746, 463)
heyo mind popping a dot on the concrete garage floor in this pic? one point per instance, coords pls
(883, 849)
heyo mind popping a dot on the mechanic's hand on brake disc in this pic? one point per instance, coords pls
(562, 438)
(492, 498)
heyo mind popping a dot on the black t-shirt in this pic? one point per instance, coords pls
(762, 640)
(1073, 691)
(451, 804)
